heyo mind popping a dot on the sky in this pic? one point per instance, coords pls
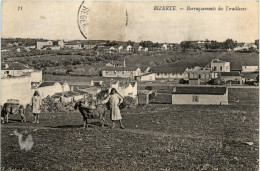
(107, 21)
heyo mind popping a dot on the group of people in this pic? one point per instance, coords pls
(114, 99)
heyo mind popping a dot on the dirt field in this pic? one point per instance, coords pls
(157, 137)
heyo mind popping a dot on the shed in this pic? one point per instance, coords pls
(200, 95)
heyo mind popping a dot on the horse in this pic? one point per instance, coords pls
(14, 109)
(88, 113)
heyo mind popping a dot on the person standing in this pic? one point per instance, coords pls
(36, 104)
(114, 100)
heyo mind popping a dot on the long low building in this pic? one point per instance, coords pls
(123, 72)
(200, 95)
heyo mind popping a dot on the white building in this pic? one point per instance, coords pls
(123, 72)
(40, 44)
(129, 48)
(120, 48)
(17, 81)
(250, 68)
(140, 48)
(50, 88)
(198, 95)
(164, 46)
(220, 66)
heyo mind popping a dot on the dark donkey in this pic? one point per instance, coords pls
(10, 108)
(88, 113)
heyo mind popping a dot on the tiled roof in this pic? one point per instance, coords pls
(200, 90)
(166, 70)
(120, 68)
(230, 74)
(14, 66)
(45, 84)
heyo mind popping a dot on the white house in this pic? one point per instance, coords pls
(120, 48)
(146, 49)
(50, 88)
(129, 48)
(140, 48)
(200, 95)
(220, 66)
(164, 46)
(17, 81)
(40, 44)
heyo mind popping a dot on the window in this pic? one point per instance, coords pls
(221, 68)
(195, 98)
(215, 68)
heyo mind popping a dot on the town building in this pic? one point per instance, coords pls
(199, 73)
(165, 46)
(230, 77)
(250, 69)
(51, 47)
(129, 48)
(200, 95)
(42, 43)
(146, 77)
(59, 43)
(123, 72)
(220, 66)
(73, 45)
(49, 88)
(17, 81)
(169, 72)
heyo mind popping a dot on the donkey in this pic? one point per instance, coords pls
(88, 113)
(14, 109)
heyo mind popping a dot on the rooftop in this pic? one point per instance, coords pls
(120, 68)
(230, 74)
(165, 70)
(200, 90)
(217, 61)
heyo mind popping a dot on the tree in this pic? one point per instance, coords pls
(229, 44)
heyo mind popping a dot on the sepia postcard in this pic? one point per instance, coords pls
(129, 85)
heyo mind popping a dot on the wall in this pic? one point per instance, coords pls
(16, 88)
(49, 90)
(203, 99)
(36, 76)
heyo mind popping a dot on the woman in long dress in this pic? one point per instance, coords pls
(36, 104)
(114, 100)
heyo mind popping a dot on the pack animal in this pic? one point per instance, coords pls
(13, 109)
(88, 113)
